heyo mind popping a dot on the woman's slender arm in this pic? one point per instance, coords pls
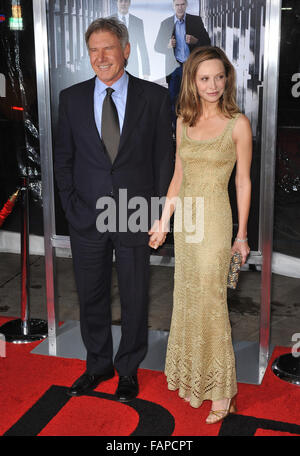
(242, 136)
(160, 227)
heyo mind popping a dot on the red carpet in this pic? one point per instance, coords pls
(33, 402)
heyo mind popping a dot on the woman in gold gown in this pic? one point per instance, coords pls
(212, 137)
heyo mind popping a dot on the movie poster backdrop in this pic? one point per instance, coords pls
(237, 26)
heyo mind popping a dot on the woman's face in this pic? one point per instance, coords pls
(210, 80)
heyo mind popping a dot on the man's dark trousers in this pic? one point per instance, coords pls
(93, 260)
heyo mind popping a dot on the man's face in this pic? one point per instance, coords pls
(107, 56)
(179, 8)
(123, 6)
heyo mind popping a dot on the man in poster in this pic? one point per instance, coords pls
(137, 40)
(178, 35)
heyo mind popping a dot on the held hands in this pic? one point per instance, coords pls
(241, 246)
(157, 234)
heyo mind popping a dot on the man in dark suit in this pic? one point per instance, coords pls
(178, 35)
(137, 40)
(114, 143)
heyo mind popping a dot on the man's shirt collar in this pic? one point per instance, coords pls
(119, 86)
(179, 20)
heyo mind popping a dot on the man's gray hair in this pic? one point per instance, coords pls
(108, 24)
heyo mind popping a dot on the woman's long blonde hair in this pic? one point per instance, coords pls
(189, 103)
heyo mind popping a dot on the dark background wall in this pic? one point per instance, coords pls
(287, 188)
(19, 149)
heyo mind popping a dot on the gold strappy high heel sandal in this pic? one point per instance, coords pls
(218, 415)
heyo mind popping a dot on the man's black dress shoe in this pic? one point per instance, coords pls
(128, 388)
(88, 382)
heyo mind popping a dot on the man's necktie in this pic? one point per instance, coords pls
(110, 127)
(124, 20)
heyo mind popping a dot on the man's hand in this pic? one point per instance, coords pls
(172, 42)
(190, 39)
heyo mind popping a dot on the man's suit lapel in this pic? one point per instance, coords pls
(188, 24)
(134, 108)
(129, 24)
(172, 26)
(88, 108)
(91, 123)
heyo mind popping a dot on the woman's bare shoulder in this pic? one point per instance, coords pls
(242, 127)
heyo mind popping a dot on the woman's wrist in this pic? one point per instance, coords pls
(239, 239)
(241, 236)
(164, 225)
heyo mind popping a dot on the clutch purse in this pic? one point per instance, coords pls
(234, 270)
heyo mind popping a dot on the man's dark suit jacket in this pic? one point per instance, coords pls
(194, 26)
(83, 170)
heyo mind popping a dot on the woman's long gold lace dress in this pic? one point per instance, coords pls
(200, 360)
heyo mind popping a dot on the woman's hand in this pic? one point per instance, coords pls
(243, 248)
(157, 234)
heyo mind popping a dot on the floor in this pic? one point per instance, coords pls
(244, 302)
